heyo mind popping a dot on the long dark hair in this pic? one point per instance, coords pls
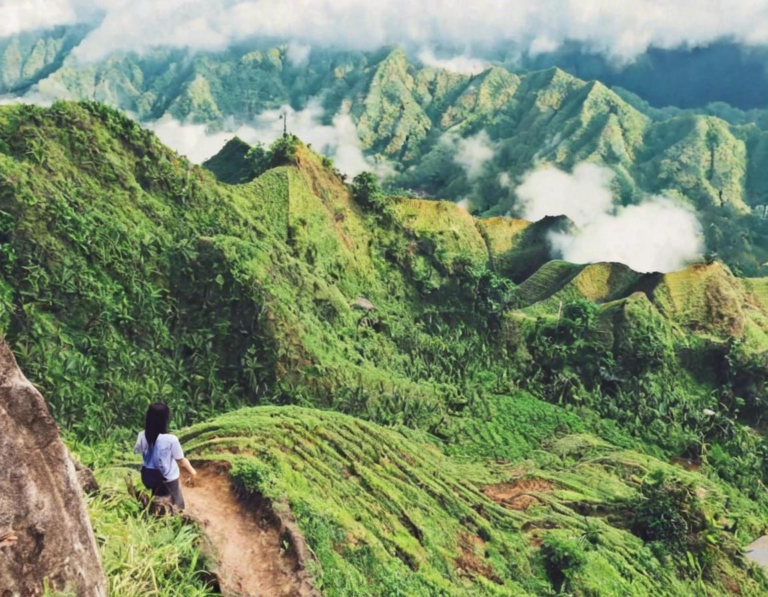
(158, 415)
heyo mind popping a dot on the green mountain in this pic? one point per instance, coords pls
(505, 424)
(411, 116)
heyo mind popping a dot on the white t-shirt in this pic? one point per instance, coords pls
(166, 451)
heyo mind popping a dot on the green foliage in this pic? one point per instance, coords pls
(284, 151)
(563, 557)
(670, 513)
(387, 511)
(252, 476)
(711, 157)
(569, 357)
(367, 192)
(138, 276)
(232, 164)
(142, 554)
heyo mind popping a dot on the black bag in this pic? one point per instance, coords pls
(151, 477)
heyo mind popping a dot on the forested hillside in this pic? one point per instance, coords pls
(514, 420)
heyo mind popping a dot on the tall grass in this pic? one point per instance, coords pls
(141, 554)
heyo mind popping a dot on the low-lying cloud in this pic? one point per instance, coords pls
(471, 153)
(656, 235)
(581, 195)
(337, 140)
(195, 141)
(18, 16)
(458, 63)
(619, 29)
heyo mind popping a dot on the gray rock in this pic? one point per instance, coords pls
(85, 478)
(363, 304)
(40, 499)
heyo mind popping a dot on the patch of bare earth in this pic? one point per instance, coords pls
(469, 563)
(255, 554)
(688, 464)
(520, 494)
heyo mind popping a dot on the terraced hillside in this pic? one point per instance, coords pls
(386, 512)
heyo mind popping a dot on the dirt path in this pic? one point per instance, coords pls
(246, 537)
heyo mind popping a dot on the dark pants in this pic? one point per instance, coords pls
(172, 488)
(162, 488)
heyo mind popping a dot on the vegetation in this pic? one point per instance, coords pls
(386, 512)
(506, 430)
(411, 117)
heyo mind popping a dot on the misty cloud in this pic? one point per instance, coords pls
(620, 29)
(298, 54)
(464, 204)
(194, 140)
(337, 140)
(656, 235)
(471, 153)
(465, 65)
(17, 16)
(581, 195)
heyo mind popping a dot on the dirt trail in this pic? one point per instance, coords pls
(246, 537)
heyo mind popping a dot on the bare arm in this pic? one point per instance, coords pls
(185, 464)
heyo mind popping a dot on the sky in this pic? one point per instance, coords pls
(618, 28)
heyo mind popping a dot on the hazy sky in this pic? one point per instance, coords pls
(619, 28)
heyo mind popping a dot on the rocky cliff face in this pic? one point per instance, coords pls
(40, 499)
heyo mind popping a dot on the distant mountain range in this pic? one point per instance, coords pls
(417, 122)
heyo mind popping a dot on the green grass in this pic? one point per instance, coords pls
(386, 513)
(142, 554)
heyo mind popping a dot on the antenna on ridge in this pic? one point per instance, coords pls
(284, 118)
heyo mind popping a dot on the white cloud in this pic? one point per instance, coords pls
(27, 15)
(471, 153)
(337, 140)
(464, 204)
(194, 140)
(36, 98)
(455, 64)
(620, 29)
(656, 235)
(298, 54)
(581, 196)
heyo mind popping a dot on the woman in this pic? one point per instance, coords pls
(162, 455)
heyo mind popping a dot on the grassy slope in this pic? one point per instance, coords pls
(386, 513)
(130, 275)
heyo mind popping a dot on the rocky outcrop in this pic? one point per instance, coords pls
(40, 499)
(363, 304)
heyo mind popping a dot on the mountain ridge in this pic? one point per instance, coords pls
(412, 119)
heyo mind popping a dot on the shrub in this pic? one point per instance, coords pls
(563, 556)
(284, 151)
(367, 192)
(670, 516)
(253, 476)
